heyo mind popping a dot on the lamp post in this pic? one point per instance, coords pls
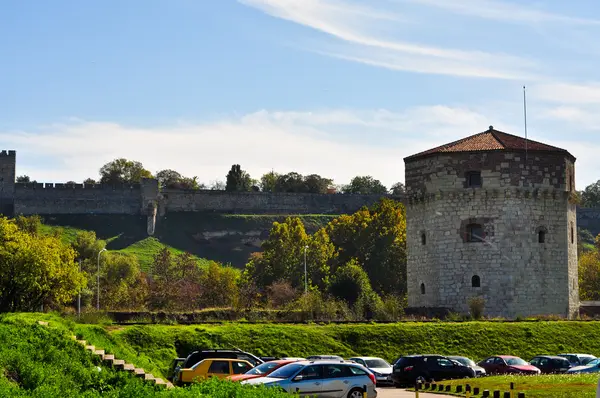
(98, 281)
(305, 274)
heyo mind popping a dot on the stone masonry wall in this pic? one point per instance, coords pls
(504, 169)
(7, 180)
(519, 276)
(41, 199)
(262, 202)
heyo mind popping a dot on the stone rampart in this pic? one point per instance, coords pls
(589, 218)
(262, 202)
(37, 198)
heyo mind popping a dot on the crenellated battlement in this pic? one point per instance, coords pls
(9, 153)
(54, 186)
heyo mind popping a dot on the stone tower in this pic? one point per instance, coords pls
(492, 216)
(8, 161)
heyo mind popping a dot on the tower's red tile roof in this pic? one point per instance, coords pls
(491, 140)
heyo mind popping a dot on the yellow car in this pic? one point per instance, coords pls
(217, 367)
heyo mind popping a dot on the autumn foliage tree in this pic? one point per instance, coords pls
(35, 270)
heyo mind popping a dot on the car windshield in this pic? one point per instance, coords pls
(464, 361)
(515, 361)
(593, 362)
(376, 363)
(286, 371)
(263, 368)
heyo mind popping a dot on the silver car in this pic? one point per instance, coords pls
(379, 367)
(322, 379)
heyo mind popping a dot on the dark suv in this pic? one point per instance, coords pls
(197, 356)
(412, 368)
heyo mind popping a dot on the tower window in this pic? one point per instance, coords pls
(422, 288)
(475, 281)
(475, 233)
(571, 184)
(542, 237)
(572, 233)
(473, 179)
(423, 238)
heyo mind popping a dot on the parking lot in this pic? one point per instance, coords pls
(391, 392)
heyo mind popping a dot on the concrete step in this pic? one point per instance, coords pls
(139, 372)
(100, 353)
(148, 377)
(90, 348)
(43, 323)
(82, 342)
(118, 364)
(170, 385)
(129, 367)
(109, 357)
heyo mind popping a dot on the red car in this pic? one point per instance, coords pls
(507, 364)
(261, 370)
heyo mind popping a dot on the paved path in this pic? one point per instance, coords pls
(391, 392)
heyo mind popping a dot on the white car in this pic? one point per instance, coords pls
(379, 367)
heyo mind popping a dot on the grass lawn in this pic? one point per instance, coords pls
(546, 386)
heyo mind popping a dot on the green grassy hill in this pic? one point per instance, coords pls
(225, 238)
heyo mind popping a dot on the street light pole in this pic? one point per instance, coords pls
(98, 281)
(305, 275)
(79, 296)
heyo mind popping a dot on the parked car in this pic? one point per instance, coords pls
(507, 364)
(322, 378)
(196, 356)
(212, 367)
(261, 370)
(578, 359)
(590, 367)
(479, 371)
(413, 368)
(551, 364)
(379, 367)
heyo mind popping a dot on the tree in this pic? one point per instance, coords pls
(89, 181)
(35, 270)
(365, 185)
(219, 286)
(268, 182)
(376, 238)
(398, 189)
(123, 171)
(314, 183)
(282, 257)
(122, 283)
(168, 178)
(238, 180)
(23, 179)
(590, 197)
(589, 275)
(290, 182)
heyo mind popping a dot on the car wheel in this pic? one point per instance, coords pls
(355, 393)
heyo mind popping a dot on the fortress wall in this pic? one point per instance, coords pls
(589, 218)
(37, 198)
(264, 202)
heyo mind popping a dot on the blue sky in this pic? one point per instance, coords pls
(334, 87)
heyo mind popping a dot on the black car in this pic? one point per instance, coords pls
(197, 356)
(551, 363)
(412, 368)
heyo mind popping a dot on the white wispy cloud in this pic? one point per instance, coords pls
(502, 11)
(582, 93)
(360, 31)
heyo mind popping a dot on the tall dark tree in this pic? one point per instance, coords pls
(290, 182)
(23, 179)
(89, 181)
(314, 183)
(123, 171)
(238, 180)
(398, 189)
(365, 185)
(590, 197)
